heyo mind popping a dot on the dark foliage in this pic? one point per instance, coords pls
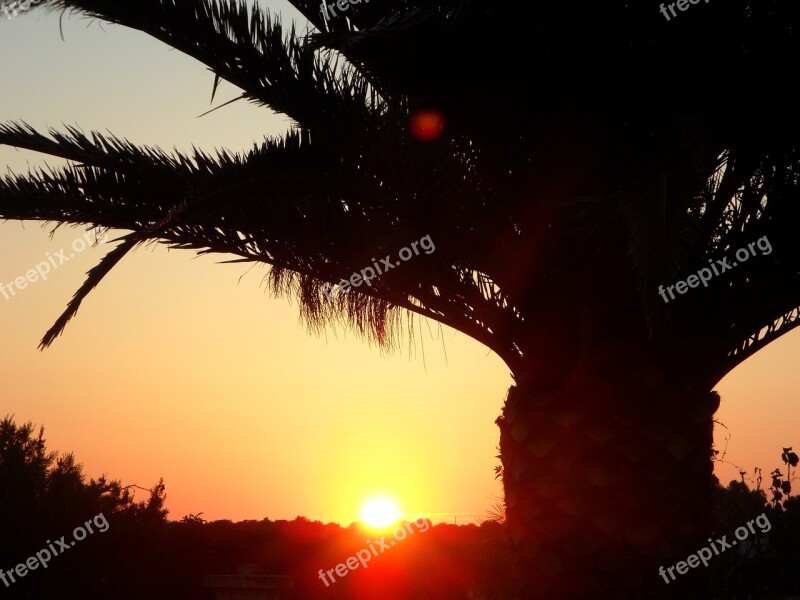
(142, 555)
(591, 152)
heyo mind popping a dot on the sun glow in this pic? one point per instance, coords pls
(380, 512)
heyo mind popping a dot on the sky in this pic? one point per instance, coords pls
(182, 368)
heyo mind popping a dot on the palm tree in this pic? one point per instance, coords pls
(591, 152)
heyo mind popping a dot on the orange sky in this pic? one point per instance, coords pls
(176, 368)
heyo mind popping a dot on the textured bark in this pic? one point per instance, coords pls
(604, 483)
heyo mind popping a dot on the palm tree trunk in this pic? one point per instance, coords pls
(604, 484)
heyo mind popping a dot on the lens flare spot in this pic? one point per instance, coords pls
(426, 125)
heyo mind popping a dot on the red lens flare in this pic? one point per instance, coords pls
(426, 125)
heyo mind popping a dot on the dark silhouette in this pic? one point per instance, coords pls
(44, 496)
(144, 555)
(579, 155)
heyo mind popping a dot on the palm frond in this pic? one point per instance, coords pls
(94, 276)
(241, 44)
(573, 176)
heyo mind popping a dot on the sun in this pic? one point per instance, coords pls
(380, 512)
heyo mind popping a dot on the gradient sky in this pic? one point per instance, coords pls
(180, 368)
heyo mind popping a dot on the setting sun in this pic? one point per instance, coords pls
(380, 512)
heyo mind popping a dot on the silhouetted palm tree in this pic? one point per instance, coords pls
(592, 151)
